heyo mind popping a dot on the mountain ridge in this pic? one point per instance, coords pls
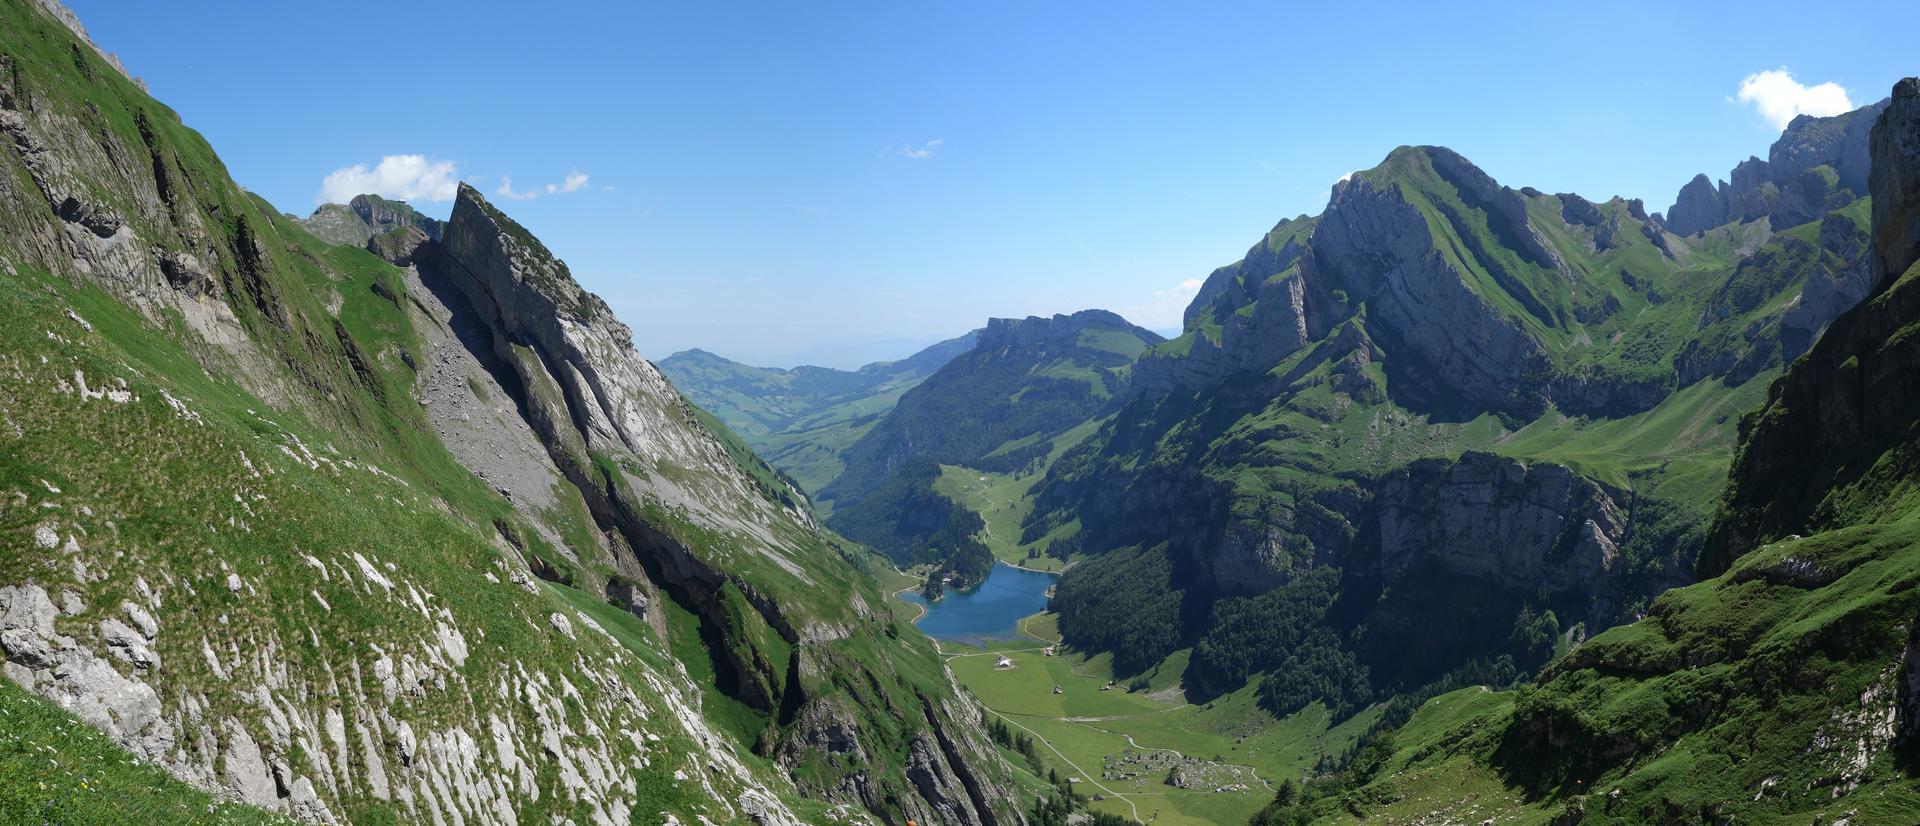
(1775, 688)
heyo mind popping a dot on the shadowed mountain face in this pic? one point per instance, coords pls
(394, 525)
(995, 408)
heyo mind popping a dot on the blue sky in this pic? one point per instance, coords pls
(838, 182)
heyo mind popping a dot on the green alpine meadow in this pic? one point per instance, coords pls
(1451, 500)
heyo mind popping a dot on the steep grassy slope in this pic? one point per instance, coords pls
(802, 419)
(246, 540)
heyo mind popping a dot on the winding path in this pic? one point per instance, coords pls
(1069, 761)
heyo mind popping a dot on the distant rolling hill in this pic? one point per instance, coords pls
(801, 419)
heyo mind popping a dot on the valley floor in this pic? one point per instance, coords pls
(1128, 749)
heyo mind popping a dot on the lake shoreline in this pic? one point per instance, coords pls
(908, 590)
(995, 610)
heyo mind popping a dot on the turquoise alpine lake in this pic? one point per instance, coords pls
(990, 612)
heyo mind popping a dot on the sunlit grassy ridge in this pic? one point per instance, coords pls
(252, 462)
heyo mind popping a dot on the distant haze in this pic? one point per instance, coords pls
(847, 181)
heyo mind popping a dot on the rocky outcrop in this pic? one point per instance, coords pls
(1279, 324)
(1832, 289)
(1896, 183)
(1577, 210)
(387, 228)
(1034, 331)
(1505, 208)
(365, 216)
(1501, 521)
(57, 666)
(1817, 164)
(1700, 207)
(1227, 286)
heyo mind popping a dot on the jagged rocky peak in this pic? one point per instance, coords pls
(388, 228)
(1816, 165)
(1281, 247)
(588, 390)
(528, 280)
(1377, 245)
(655, 478)
(1700, 206)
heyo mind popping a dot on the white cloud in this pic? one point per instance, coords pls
(506, 190)
(574, 182)
(405, 177)
(925, 150)
(1167, 310)
(1779, 98)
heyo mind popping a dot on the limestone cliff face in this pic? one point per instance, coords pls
(1273, 281)
(1832, 289)
(1699, 206)
(587, 390)
(1514, 526)
(1035, 331)
(1501, 521)
(1896, 201)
